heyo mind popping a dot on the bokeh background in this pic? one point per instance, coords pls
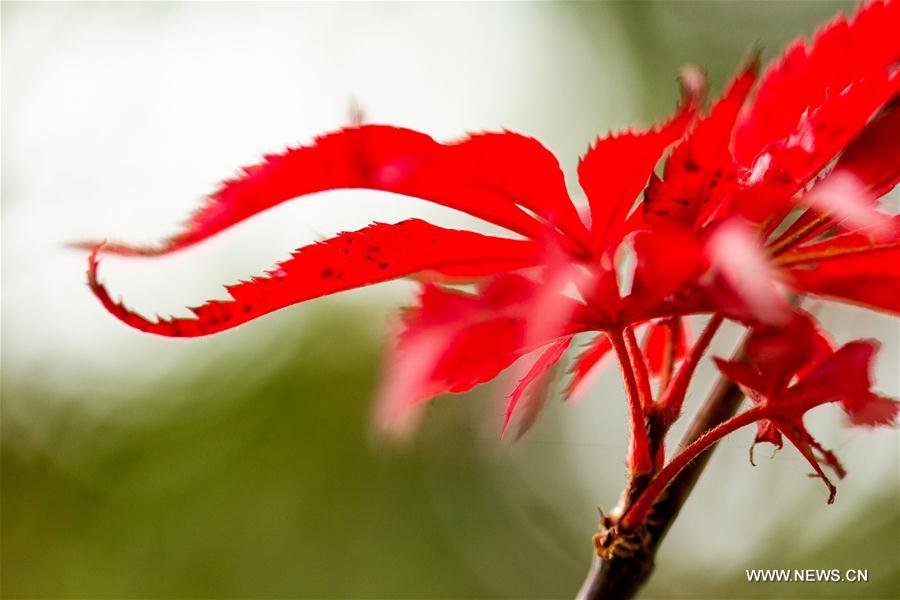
(244, 465)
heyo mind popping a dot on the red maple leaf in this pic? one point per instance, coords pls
(788, 370)
(775, 188)
(775, 356)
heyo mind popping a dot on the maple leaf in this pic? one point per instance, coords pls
(818, 134)
(820, 93)
(589, 364)
(616, 168)
(700, 171)
(480, 175)
(873, 157)
(353, 259)
(775, 356)
(786, 371)
(856, 267)
(453, 340)
(533, 386)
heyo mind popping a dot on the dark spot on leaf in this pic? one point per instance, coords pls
(383, 266)
(691, 166)
(326, 273)
(247, 308)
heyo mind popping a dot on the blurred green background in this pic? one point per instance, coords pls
(244, 465)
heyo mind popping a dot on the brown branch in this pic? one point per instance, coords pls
(620, 577)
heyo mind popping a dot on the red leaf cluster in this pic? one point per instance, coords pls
(774, 190)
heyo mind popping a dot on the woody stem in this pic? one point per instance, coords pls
(622, 577)
(638, 512)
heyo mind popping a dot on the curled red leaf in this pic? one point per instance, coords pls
(776, 357)
(490, 176)
(350, 260)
